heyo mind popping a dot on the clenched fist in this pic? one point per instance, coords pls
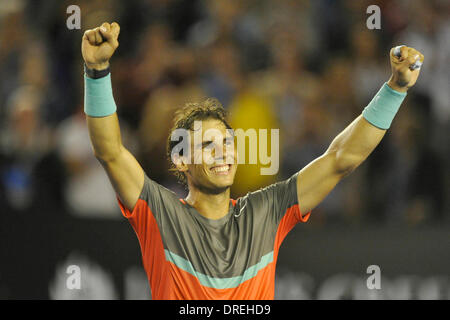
(404, 75)
(99, 44)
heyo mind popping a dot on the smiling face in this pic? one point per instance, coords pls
(213, 158)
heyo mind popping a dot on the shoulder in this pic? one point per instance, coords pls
(159, 198)
(278, 190)
(273, 200)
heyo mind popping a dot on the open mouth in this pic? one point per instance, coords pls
(222, 169)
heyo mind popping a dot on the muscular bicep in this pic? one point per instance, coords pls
(126, 176)
(347, 151)
(316, 180)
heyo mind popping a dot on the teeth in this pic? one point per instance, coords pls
(221, 169)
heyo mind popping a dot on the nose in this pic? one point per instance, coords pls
(229, 153)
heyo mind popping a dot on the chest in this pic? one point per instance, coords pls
(223, 249)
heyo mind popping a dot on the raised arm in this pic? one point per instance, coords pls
(353, 145)
(124, 172)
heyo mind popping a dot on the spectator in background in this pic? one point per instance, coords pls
(31, 174)
(221, 73)
(150, 68)
(157, 115)
(412, 188)
(291, 88)
(429, 28)
(249, 110)
(13, 35)
(368, 66)
(85, 176)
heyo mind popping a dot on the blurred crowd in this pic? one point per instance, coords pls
(305, 67)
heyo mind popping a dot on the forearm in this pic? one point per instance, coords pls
(354, 144)
(361, 137)
(105, 137)
(100, 108)
(124, 172)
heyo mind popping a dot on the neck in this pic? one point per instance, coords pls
(211, 206)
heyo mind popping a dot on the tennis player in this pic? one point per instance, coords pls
(209, 246)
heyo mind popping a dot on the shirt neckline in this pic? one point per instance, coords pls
(212, 222)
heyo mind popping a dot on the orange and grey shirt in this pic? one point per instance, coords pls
(187, 256)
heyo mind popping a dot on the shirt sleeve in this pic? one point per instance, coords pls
(149, 208)
(280, 199)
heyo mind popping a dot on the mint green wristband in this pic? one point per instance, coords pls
(98, 97)
(384, 106)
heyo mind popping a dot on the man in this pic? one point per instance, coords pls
(209, 246)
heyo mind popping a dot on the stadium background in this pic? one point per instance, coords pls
(305, 67)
